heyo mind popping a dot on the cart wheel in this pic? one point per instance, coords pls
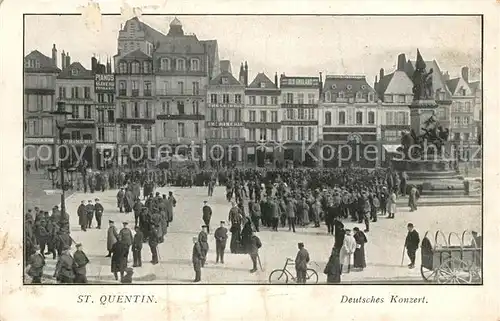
(427, 275)
(278, 276)
(311, 276)
(454, 271)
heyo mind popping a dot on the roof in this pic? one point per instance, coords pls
(176, 22)
(459, 84)
(181, 44)
(149, 31)
(452, 84)
(397, 82)
(350, 85)
(75, 71)
(231, 80)
(46, 63)
(136, 54)
(475, 85)
(262, 78)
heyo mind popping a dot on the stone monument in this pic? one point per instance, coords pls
(425, 153)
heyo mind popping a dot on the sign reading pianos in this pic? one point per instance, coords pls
(104, 83)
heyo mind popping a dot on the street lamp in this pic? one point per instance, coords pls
(61, 117)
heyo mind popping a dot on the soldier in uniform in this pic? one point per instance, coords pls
(90, 213)
(203, 239)
(220, 242)
(301, 263)
(81, 261)
(64, 272)
(137, 247)
(153, 243)
(35, 266)
(82, 217)
(137, 210)
(120, 199)
(125, 236)
(253, 251)
(207, 215)
(197, 258)
(112, 237)
(99, 209)
(236, 220)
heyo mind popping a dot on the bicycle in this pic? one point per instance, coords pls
(282, 275)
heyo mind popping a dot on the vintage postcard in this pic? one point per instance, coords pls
(234, 162)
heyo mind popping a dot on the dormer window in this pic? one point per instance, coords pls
(74, 72)
(181, 64)
(136, 67)
(32, 63)
(370, 97)
(165, 64)
(262, 85)
(195, 64)
(359, 95)
(225, 80)
(328, 97)
(334, 86)
(341, 95)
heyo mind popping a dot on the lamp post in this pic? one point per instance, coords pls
(61, 116)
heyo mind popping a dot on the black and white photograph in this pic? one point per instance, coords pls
(253, 149)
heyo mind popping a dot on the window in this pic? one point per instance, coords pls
(252, 115)
(328, 97)
(147, 67)
(225, 80)
(180, 87)
(300, 133)
(136, 133)
(165, 108)
(225, 98)
(263, 100)
(328, 118)
(263, 134)
(111, 116)
(341, 117)
(100, 133)
(180, 130)
(33, 127)
(359, 118)
(180, 107)
(225, 115)
(196, 88)
(76, 135)
(137, 111)
(75, 112)
(135, 88)
(147, 88)
(149, 133)
(274, 116)
(122, 67)
(165, 129)
(401, 98)
(100, 98)
(122, 91)
(237, 115)
(341, 95)
(370, 97)
(195, 64)
(147, 110)
(62, 92)
(86, 92)
(467, 107)
(196, 107)
(466, 120)
(274, 135)
(100, 116)
(47, 126)
(196, 130)
(301, 114)
(213, 114)
(457, 121)
(123, 111)
(165, 64)
(237, 99)
(312, 113)
(180, 64)
(466, 136)
(111, 98)
(289, 133)
(289, 98)
(300, 98)
(371, 117)
(311, 133)
(123, 132)
(74, 92)
(274, 100)
(251, 100)
(388, 98)
(290, 113)
(262, 85)
(310, 98)
(392, 135)
(263, 116)
(213, 98)
(252, 134)
(136, 67)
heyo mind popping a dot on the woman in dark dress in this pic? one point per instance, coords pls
(332, 269)
(119, 259)
(359, 253)
(246, 236)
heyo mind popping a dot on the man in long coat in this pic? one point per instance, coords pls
(301, 263)
(359, 253)
(99, 210)
(90, 213)
(82, 217)
(112, 237)
(220, 235)
(81, 261)
(197, 259)
(203, 239)
(129, 200)
(170, 207)
(347, 250)
(35, 266)
(207, 215)
(119, 259)
(120, 199)
(235, 219)
(64, 272)
(125, 236)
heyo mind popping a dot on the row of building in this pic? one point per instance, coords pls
(174, 90)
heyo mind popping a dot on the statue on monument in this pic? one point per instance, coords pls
(422, 80)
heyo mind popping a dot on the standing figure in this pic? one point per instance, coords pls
(81, 261)
(412, 242)
(391, 204)
(203, 239)
(99, 209)
(153, 243)
(35, 266)
(220, 235)
(197, 258)
(90, 213)
(112, 237)
(412, 199)
(253, 251)
(120, 199)
(119, 259)
(333, 268)
(82, 217)
(64, 272)
(359, 253)
(207, 215)
(125, 237)
(235, 219)
(301, 261)
(347, 250)
(137, 247)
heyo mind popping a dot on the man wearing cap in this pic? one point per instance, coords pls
(90, 213)
(253, 251)
(112, 237)
(220, 235)
(197, 258)
(235, 219)
(412, 242)
(35, 266)
(120, 199)
(207, 215)
(125, 236)
(82, 216)
(203, 239)
(81, 261)
(137, 247)
(99, 209)
(301, 261)
(64, 272)
(153, 240)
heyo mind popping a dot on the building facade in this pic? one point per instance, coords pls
(224, 119)
(348, 116)
(40, 74)
(262, 121)
(299, 109)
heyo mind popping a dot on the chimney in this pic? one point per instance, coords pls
(63, 60)
(401, 62)
(375, 83)
(465, 74)
(381, 73)
(246, 74)
(320, 84)
(68, 60)
(108, 66)
(446, 76)
(276, 79)
(242, 75)
(54, 55)
(93, 64)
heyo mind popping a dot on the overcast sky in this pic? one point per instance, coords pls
(295, 45)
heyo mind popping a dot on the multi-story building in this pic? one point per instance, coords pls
(462, 113)
(182, 73)
(395, 95)
(40, 74)
(262, 120)
(135, 114)
(105, 87)
(224, 120)
(477, 91)
(299, 125)
(348, 115)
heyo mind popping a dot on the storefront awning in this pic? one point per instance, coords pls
(391, 148)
